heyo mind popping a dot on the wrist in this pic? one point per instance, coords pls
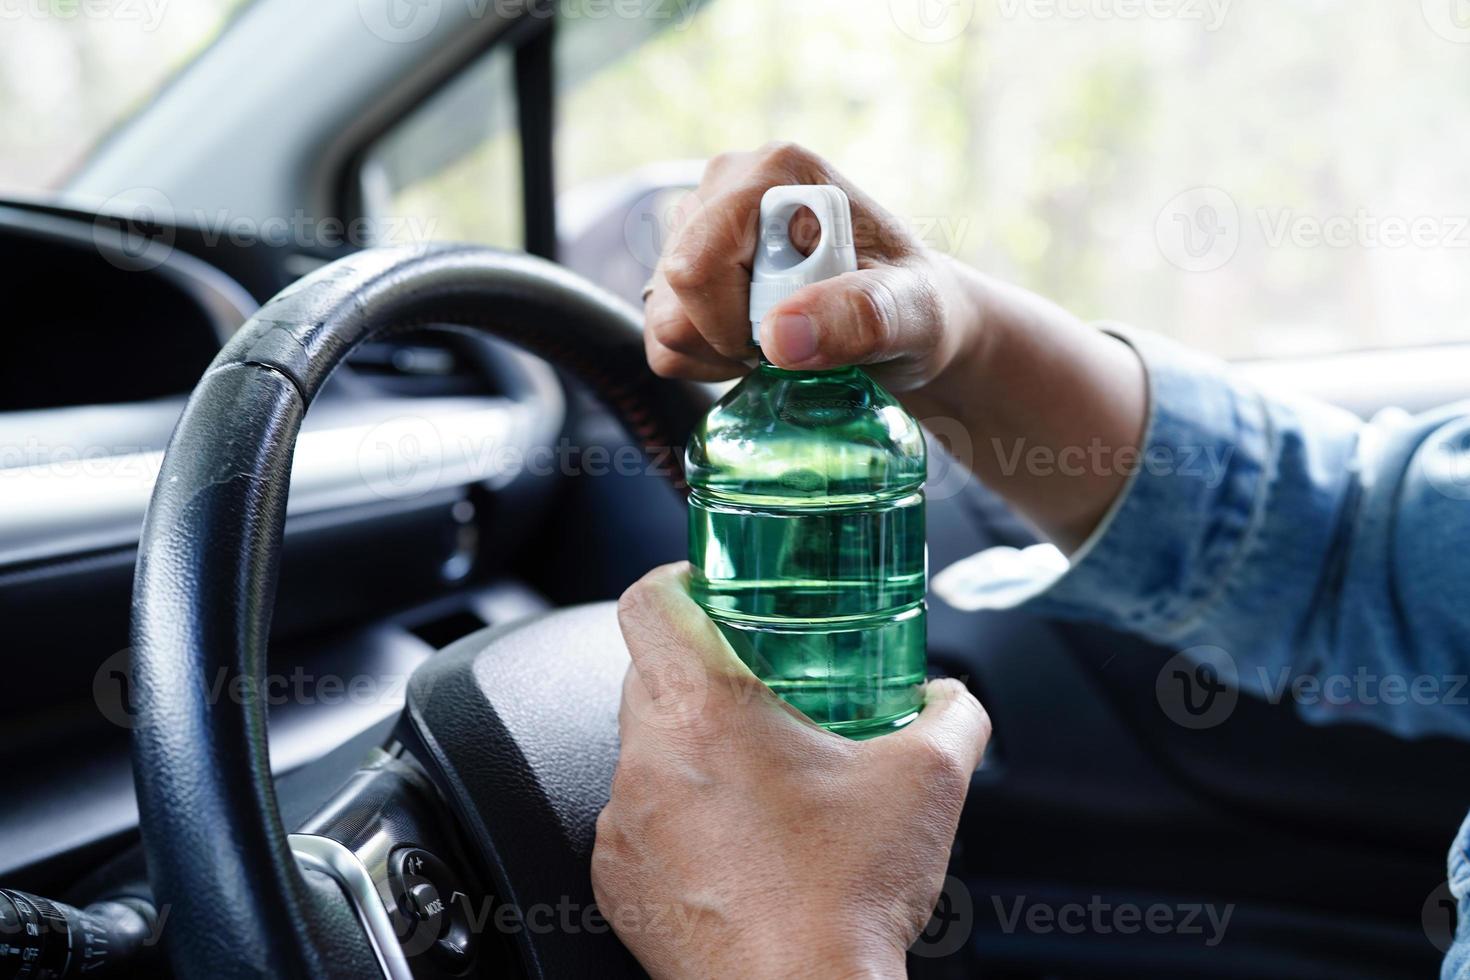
(797, 951)
(776, 964)
(1026, 376)
(978, 322)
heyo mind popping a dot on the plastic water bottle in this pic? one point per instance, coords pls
(806, 516)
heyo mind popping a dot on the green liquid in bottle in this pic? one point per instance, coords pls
(806, 533)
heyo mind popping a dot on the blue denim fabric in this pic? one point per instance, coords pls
(1313, 549)
(1457, 962)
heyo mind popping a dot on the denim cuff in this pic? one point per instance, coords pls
(1161, 557)
(1164, 551)
(1457, 962)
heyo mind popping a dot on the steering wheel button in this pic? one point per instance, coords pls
(453, 953)
(425, 901)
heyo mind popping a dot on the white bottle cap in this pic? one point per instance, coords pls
(780, 269)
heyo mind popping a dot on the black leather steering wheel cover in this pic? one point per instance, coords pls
(519, 725)
(308, 329)
(209, 554)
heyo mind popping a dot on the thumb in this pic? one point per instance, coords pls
(675, 648)
(953, 720)
(890, 313)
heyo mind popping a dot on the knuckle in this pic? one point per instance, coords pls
(966, 701)
(734, 348)
(927, 302)
(667, 330)
(607, 843)
(606, 863)
(634, 602)
(942, 767)
(634, 780)
(686, 269)
(985, 726)
(605, 831)
(723, 163)
(872, 313)
(665, 363)
(789, 157)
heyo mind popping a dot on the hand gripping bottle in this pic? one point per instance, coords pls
(806, 509)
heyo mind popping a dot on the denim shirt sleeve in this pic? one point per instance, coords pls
(1328, 558)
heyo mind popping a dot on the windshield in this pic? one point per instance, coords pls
(101, 60)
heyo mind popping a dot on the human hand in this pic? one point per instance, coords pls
(1011, 368)
(909, 313)
(741, 839)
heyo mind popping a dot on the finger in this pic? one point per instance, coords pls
(676, 649)
(671, 364)
(872, 316)
(953, 719)
(708, 265)
(668, 364)
(666, 325)
(708, 262)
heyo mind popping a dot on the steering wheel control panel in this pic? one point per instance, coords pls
(432, 913)
(388, 841)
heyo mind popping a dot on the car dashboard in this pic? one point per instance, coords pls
(418, 469)
(440, 486)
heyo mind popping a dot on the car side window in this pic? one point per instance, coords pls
(1022, 138)
(1164, 165)
(450, 169)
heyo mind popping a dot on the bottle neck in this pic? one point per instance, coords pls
(766, 367)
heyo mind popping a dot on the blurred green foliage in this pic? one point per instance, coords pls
(1043, 148)
(1044, 142)
(72, 70)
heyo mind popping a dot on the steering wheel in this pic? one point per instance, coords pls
(469, 835)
